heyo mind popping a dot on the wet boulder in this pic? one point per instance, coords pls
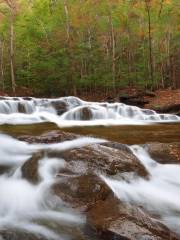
(112, 219)
(104, 159)
(4, 169)
(30, 168)
(81, 191)
(86, 114)
(60, 106)
(21, 108)
(165, 153)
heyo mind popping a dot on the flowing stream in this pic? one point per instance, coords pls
(33, 208)
(71, 111)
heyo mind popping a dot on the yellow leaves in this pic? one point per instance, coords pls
(168, 1)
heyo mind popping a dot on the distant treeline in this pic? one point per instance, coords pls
(63, 47)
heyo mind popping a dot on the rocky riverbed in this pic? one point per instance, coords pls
(56, 186)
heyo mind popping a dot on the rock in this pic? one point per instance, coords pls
(27, 98)
(82, 113)
(105, 159)
(82, 191)
(21, 108)
(30, 168)
(109, 99)
(134, 100)
(172, 109)
(112, 219)
(149, 93)
(4, 169)
(49, 137)
(164, 152)
(86, 114)
(60, 107)
(19, 235)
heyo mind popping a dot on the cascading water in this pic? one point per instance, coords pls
(33, 208)
(29, 207)
(159, 195)
(71, 111)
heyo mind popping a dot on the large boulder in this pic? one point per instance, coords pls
(112, 219)
(109, 158)
(164, 152)
(105, 159)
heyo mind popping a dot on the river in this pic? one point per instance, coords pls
(32, 208)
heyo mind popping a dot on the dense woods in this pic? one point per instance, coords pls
(63, 47)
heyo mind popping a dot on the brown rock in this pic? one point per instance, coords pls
(164, 152)
(21, 108)
(49, 137)
(113, 219)
(82, 191)
(105, 159)
(30, 168)
(60, 106)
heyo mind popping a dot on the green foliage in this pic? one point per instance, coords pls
(59, 52)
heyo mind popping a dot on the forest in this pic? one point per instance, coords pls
(66, 47)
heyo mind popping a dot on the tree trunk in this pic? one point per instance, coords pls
(113, 54)
(67, 20)
(147, 2)
(13, 82)
(2, 66)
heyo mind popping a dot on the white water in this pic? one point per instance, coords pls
(160, 195)
(21, 111)
(24, 205)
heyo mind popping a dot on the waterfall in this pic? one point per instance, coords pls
(72, 111)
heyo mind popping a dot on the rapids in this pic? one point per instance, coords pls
(160, 195)
(31, 207)
(72, 111)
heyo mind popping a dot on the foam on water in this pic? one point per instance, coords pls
(160, 195)
(72, 111)
(24, 205)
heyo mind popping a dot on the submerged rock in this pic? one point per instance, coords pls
(164, 152)
(19, 235)
(49, 137)
(112, 219)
